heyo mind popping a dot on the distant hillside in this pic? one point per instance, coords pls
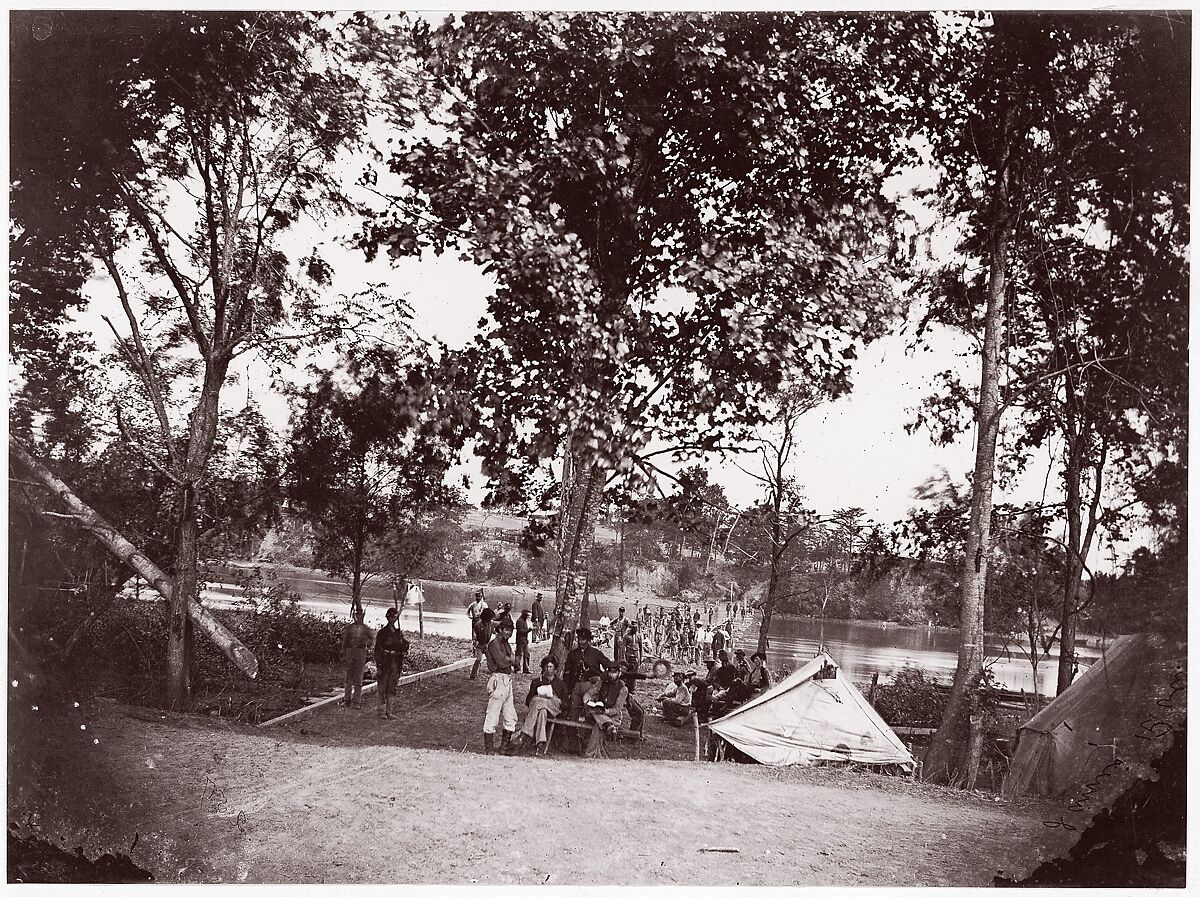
(490, 519)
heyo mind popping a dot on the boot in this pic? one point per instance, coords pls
(489, 744)
(506, 742)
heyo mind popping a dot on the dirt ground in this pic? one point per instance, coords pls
(340, 798)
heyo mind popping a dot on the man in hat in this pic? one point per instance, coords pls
(584, 662)
(757, 678)
(522, 654)
(538, 618)
(743, 668)
(390, 648)
(476, 607)
(605, 700)
(504, 619)
(719, 640)
(500, 709)
(481, 634)
(619, 625)
(356, 641)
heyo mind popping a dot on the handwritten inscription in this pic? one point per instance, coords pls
(1155, 726)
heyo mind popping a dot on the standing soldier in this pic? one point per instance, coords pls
(523, 641)
(481, 633)
(538, 618)
(620, 622)
(476, 607)
(356, 640)
(500, 707)
(390, 648)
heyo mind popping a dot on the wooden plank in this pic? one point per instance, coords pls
(369, 687)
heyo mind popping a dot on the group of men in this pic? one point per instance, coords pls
(676, 634)
(391, 647)
(596, 688)
(592, 687)
(531, 624)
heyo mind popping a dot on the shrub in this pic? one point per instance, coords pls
(689, 573)
(912, 698)
(603, 572)
(503, 570)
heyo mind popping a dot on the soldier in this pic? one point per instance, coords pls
(500, 709)
(538, 618)
(390, 648)
(356, 639)
(523, 627)
(481, 634)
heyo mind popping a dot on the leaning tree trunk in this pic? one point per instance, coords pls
(582, 486)
(944, 757)
(122, 549)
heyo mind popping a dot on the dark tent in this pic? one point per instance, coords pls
(1085, 728)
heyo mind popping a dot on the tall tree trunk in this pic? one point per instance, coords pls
(776, 559)
(360, 539)
(944, 756)
(583, 483)
(621, 555)
(1073, 573)
(1033, 630)
(184, 590)
(712, 544)
(201, 434)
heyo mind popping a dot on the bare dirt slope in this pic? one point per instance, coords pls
(205, 800)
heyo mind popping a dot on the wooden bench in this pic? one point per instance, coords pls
(554, 721)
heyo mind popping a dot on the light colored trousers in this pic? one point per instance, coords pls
(540, 709)
(500, 707)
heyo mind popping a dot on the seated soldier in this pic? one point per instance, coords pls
(677, 704)
(758, 679)
(583, 663)
(605, 703)
(739, 661)
(723, 681)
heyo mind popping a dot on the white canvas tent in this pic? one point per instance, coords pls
(804, 719)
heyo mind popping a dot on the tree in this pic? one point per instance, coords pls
(368, 465)
(677, 209)
(1025, 577)
(217, 133)
(782, 517)
(696, 509)
(1063, 140)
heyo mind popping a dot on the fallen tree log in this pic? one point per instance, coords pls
(124, 550)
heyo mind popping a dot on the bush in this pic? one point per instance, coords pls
(543, 566)
(604, 571)
(911, 699)
(689, 573)
(503, 570)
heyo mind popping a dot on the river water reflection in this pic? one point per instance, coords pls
(862, 649)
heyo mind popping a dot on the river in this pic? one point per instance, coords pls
(861, 649)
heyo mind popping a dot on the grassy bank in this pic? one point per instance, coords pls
(119, 652)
